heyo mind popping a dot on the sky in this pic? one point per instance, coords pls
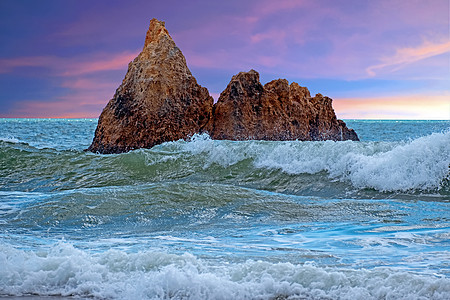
(377, 59)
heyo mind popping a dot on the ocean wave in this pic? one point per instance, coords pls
(9, 139)
(63, 270)
(417, 165)
(15, 143)
(421, 164)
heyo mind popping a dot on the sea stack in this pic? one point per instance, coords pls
(158, 101)
(276, 111)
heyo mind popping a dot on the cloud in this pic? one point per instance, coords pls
(275, 36)
(297, 40)
(81, 65)
(84, 98)
(406, 56)
(269, 7)
(9, 65)
(87, 83)
(97, 64)
(309, 39)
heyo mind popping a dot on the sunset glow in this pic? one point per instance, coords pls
(417, 107)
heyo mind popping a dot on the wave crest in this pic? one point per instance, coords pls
(67, 271)
(418, 165)
(421, 164)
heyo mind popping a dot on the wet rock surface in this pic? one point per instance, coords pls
(158, 101)
(276, 111)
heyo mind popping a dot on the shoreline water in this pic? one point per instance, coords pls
(223, 219)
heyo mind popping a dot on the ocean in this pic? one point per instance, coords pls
(207, 219)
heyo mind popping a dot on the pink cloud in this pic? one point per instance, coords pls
(268, 7)
(8, 65)
(268, 61)
(85, 98)
(409, 55)
(330, 41)
(86, 93)
(106, 63)
(274, 36)
(88, 84)
(73, 66)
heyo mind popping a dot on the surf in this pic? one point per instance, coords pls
(63, 270)
(421, 164)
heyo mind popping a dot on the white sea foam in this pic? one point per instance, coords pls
(9, 139)
(67, 271)
(420, 164)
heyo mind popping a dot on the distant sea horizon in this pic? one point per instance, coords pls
(361, 119)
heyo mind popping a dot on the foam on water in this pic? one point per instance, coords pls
(417, 165)
(67, 271)
(209, 219)
(9, 139)
(421, 164)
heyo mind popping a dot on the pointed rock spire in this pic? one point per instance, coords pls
(159, 100)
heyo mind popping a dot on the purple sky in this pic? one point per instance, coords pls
(376, 59)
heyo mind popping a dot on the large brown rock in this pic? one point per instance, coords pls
(276, 111)
(159, 100)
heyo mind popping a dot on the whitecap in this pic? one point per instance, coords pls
(66, 271)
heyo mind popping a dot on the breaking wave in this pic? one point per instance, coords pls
(417, 165)
(62, 270)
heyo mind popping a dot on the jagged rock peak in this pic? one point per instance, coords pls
(276, 111)
(158, 101)
(156, 31)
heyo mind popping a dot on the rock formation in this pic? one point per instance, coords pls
(276, 111)
(158, 101)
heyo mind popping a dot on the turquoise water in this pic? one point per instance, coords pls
(208, 219)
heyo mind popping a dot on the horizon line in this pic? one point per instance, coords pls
(349, 119)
